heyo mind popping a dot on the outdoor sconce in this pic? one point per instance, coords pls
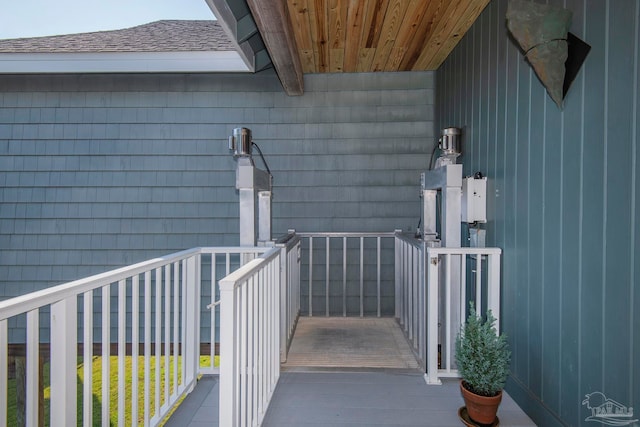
(542, 31)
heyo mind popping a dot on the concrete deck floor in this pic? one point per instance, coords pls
(320, 386)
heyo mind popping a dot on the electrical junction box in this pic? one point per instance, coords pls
(474, 199)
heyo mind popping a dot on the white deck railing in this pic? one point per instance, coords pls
(410, 292)
(259, 307)
(222, 261)
(484, 293)
(289, 290)
(373, 270)
(161, 295)
(431, 287)
(159, 302)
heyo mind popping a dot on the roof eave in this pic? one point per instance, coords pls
(123, 62)
(230, 25)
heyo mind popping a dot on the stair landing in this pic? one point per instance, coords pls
(349, 342)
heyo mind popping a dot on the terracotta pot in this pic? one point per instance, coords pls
(481, 409)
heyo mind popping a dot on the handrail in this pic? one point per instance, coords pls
(213, 304)
(409, 238)
(33, 300)
(233, 249)
(23, 303)
(250, 268)
(346, 234)
(286, 238)
(464, 251)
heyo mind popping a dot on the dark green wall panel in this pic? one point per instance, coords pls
(591, 308)
(619, 170)
(571, 237)
(634, 300)
(562, 203)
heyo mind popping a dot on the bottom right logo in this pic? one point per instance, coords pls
(607, 411)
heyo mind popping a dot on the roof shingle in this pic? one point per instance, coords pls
(159, 36)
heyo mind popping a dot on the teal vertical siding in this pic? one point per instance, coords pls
(563, 202)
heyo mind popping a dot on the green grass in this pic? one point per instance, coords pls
(113, 386)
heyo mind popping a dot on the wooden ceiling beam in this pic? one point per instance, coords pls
(272, 20)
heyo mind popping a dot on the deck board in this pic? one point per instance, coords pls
(348, 372)
(378, 399)
(200, 407)
(372, 399)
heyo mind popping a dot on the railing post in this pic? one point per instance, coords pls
(87, 350)
(493, 287)
(327, 274)
(228, 356)
(361, 276)
(63, 362)
(297, 267)
(193, 312)
(432, 320)
(378, 248)
(32, 396)
(284, 296)
(396, 265)
(4, 377)
(310, 276)
(422, 303)
(106, 353)
(344, 276)
(147, 347)
(135, 339)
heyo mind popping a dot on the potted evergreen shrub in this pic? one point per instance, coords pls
(483, 359)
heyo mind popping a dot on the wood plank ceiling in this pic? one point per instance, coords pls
(334, 36)
(378, 35)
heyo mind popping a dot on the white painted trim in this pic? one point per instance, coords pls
(122, 62)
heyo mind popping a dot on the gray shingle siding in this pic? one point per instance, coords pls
(100, 171)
